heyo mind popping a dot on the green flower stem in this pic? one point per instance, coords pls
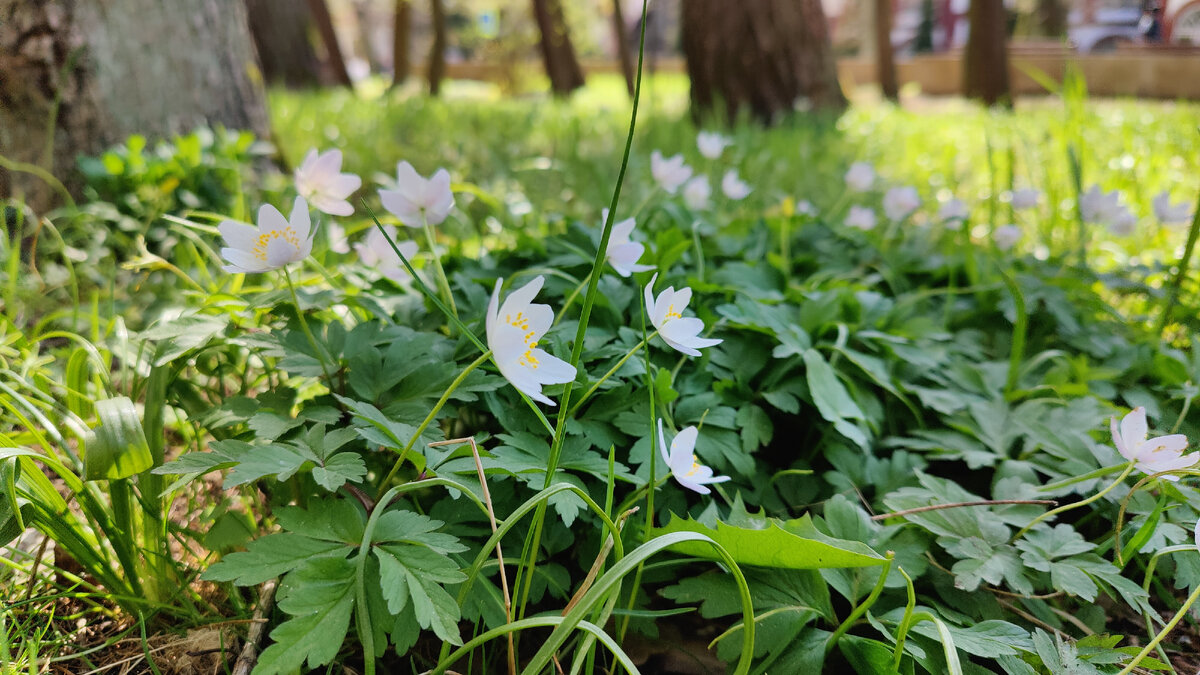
(863, 607)
(1187, 604)
(1181, 548)
(1098, 473)
(1067, 507)
(905, 622)
(443, 282)
(1180, 270)
(1020, 329)
(312, 341)
(571, 299)
(437, 407)
(583, 399)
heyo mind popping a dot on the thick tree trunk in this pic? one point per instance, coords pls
(401, 30)
(558, 54)
(333, 51)
(281, 31)
(985, 60)
(762, 56)
(437, 51)
(885, 58)
(624, 49)
(104, 70)
(364, 20)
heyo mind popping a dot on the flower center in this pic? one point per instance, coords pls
(695, 466)
(671, 313)
(287, 234)
(520, 321)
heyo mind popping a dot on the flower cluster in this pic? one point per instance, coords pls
(673, 173)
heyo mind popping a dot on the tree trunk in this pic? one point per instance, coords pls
(437, 51)
(558, 54)
(104, 70)
(1050, 18)
(885, 58)
(401, 30)
(985, 60)
(762, 55)
(333, 51)
(364, 20)
(624, 49)
(281, 35)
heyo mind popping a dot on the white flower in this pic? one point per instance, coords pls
(696, 193)
(513, 330)
(273, 244)
(805, 208)
(1006, 236)
(953, 213)
(1025, 198)
(733, 187)
(319, 180)
(377, 252)
(1122, 222)
(899, 202)
(1164, 453)
(666, 313)
(861, 217)
(338, 243)
(860, 177)
(1097, 206)
(670, 172)
(623, 253)
(712, 144)
(417, 199)
(1171, 214)
(1198, 534)
(682, 461)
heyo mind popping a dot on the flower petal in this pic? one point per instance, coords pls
(1133, 428)
(300, 220)
(270, 219)
(237, 235)
(551, 369)
(683, 445)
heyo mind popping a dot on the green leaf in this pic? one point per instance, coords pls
(831, 398)
(774, 546)
(867, 657)
(269, 557)
(321, 597)
(756, 428)
(117, 447)
(342, 468)
(276, 460)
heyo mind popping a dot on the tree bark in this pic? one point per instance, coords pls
(885, 58)
(437, 51)
(762, 56)
(558, 54)
(401, 31)
(79, 75)
(624, 49)
(985, 60)
(280, 29)
(333, 51)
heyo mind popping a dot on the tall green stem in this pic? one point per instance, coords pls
(312, 341)
(1020, 330)
(1067, 507)
(1180, 270)
(1162, 634)
(443, 282)
(583, 399)
(862, 608)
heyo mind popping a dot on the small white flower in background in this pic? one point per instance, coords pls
(696, 193)
(712, 144)
(666, 313)
(1006, 236)
(274, 243)
(1171, 214)
(682, 460)
(1122, 222)
(1097, 206)
(320, 180)
(670, 172)
(418, 199)
(805, 208)
(1025, 198)
(860, 177)
(338, 243)
(1164, 453)
(377, 252)
(624, 253)
(953, 212)
(861, 218)
(1198, 534)
(735, 188)
(899, 202)
(513, 331)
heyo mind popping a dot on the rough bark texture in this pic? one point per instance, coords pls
(985, 59)
(624, 49)
(281, 31)
(104, 70)
(437, 51)
(558, 54)
(885, 58)
(761, 56)
(333, 51)
(401, 30)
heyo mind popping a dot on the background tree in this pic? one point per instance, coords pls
(761, 55)
(401, 32)
(102, 71)
(624, 48)
(985, 59)
(558, 54)
(324, 22)
(437, 50)
(281, 30)
(885, 57)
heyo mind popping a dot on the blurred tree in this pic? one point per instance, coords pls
(558, 54)
(624, 49)
(1050, 19)
(985, 59)
(79, 75)
(281, 35)
(401, 30)
(333, 51)
(437, 50)
(885, 57)
(924, 42)
(763, 55)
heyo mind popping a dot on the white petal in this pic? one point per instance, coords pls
(662, 444)
(242, 262)
(400, 206)
(492, 310)
(518, 299)
(683, 445)
(270, 219)
(281, 252)
(551, 369)
(300, 220)
(239, 235)
(1133, 428)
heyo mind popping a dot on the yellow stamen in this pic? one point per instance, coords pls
(287, 234)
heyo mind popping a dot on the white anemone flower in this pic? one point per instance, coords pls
(696, 193)
(1006, 236)
(338, 243)
(953, 213)
(274, 243)
(682, 460)
(376, 252)
(712, 144)
(1171, 214)
(1097, 206)
(805, 208)
(861, 218)
(418, 200)
(899, 202)
(860, 177)
(735, 188)
(1122, 222)
(666, 313)
(320, 180)
(1154, 455)
(1025, 198)
(1198, 534)
(623, 253)
(670, 172)
(513, 331)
